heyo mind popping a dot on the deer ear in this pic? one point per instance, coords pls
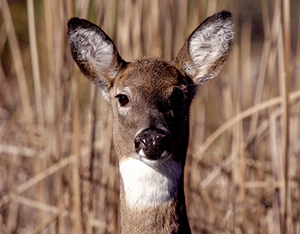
(207, 48)
(94, 52)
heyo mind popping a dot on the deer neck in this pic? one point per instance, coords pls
(152, 197)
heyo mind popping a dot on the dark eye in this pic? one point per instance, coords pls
(123, 99)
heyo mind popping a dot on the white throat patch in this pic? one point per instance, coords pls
(149, 186)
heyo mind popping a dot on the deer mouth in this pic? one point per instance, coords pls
(153, 144)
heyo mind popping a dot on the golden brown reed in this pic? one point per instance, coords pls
(58, 170)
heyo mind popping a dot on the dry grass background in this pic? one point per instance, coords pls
(58, 170)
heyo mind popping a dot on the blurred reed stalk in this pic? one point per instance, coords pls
(35, 63)
(17, 60)
(77, 152)
(287, 55)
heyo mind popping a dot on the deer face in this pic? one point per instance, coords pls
(150, 101)
(150, 97)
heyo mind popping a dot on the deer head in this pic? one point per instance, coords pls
(150, 100)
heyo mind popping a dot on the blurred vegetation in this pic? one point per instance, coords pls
(58, 170)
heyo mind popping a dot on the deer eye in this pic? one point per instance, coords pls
(123, 99)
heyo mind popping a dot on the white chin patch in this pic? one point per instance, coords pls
(146, 185)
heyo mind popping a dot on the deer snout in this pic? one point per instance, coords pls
(153, 143)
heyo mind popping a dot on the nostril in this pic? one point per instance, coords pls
(143, 140)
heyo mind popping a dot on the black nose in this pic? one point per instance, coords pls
(154, 142)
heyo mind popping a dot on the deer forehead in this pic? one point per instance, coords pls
(149, 76)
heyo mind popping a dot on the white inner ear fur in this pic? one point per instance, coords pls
(92, 47)
(207, 45)
(148, 186)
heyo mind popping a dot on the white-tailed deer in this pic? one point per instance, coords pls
(150, 100)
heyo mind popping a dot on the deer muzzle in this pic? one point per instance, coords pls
(153, 143)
